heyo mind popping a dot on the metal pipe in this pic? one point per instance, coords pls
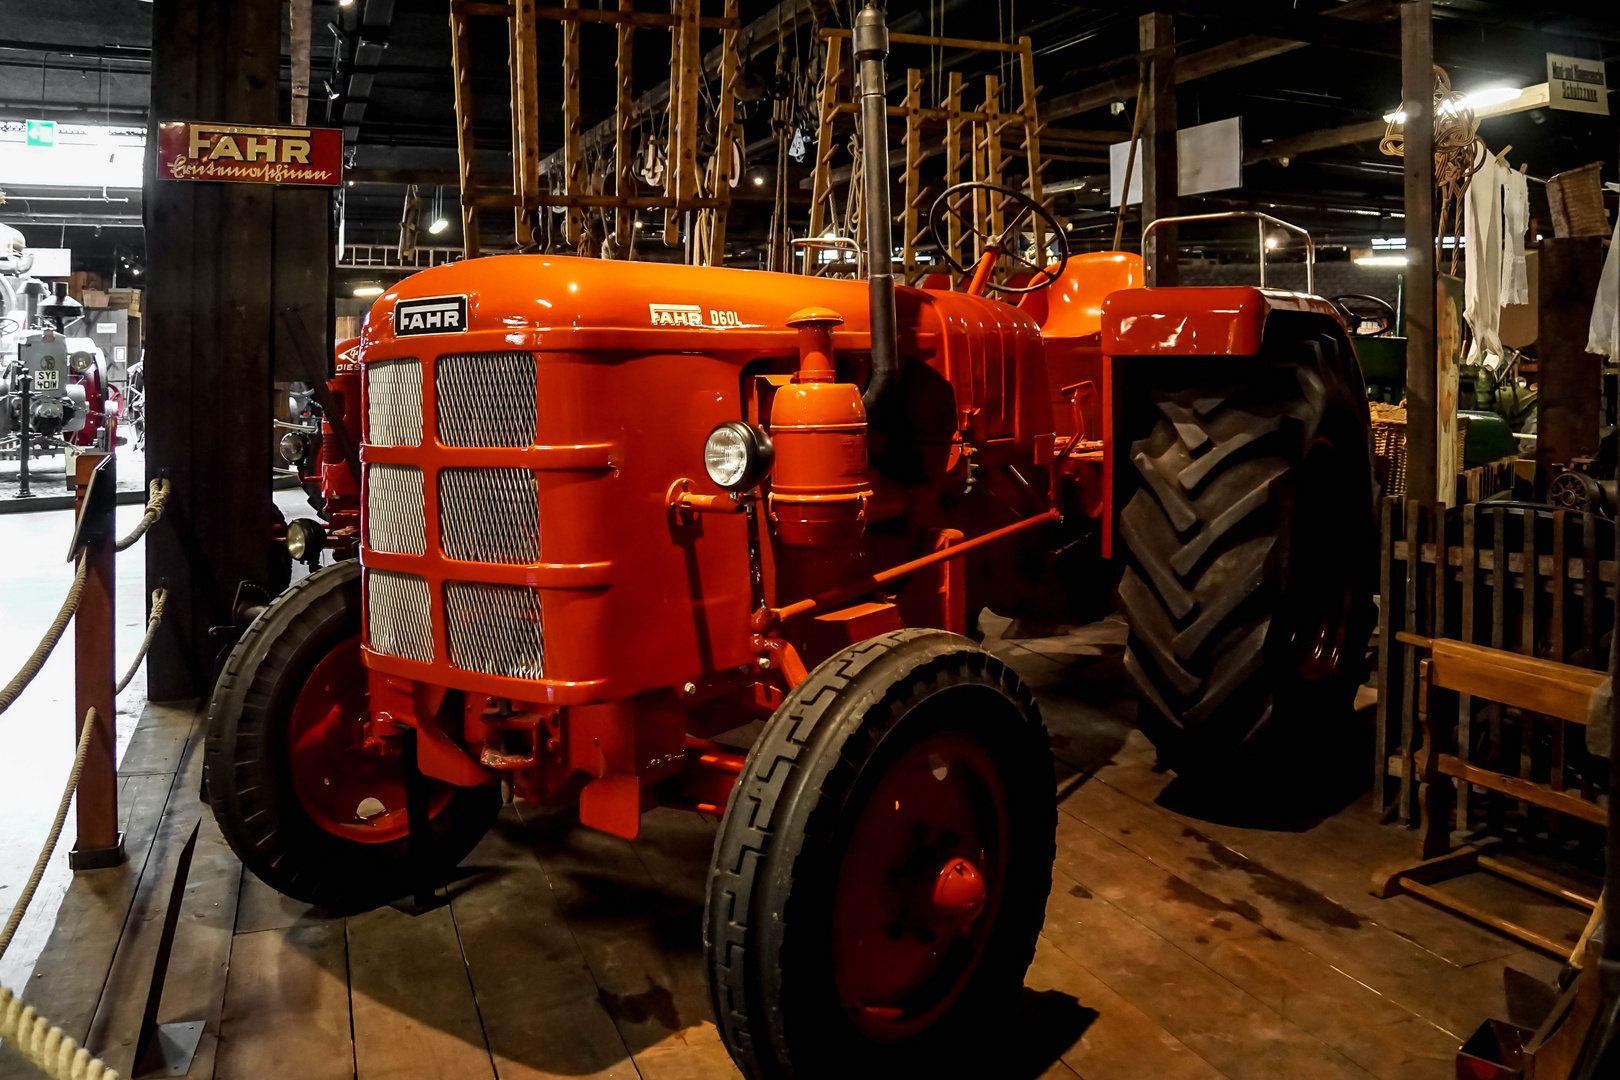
(905, 569)
(871, 36)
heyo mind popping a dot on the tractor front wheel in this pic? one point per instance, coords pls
(1252, 544)
(307, 805)
(881, 872)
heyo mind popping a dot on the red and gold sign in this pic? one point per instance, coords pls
(248, 153)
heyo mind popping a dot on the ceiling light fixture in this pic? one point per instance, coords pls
(1381, 260)
(368, 290)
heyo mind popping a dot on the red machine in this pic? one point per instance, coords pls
(611, 511)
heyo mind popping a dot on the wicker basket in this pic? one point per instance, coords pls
(1389, 445)
(1576, 198)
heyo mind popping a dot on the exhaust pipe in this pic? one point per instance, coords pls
(871, 35)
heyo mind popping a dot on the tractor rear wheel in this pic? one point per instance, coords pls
(881, 871)
(302, 803)
(1251, 543)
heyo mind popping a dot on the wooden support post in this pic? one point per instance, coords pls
(461, 71)
(954, 160)
(525, 121)
(1032, 138)
(1570, 377)
(214, 284)
(990, 145)
(821, 184)
(724, 163)
(623, 216)
(573, 161)
(1417, 98)
(672, 126)
(1160, 174)
(909, 233)
(99, 843)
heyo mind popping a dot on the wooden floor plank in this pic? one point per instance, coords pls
(541, 1010)
(1370, 1029)
(414, 1014)
(1227, 1027)
(287, 1006)
(73, 966)
(194, 988)
(1121, 1042)
(1417, 978)
(641, 936)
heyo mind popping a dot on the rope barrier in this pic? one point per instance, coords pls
(159, 598)
(42, 1043)
(157, 499)
(32, 665)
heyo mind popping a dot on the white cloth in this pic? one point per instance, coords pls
(1604, 336)
(1482, 277)
(1515, 220)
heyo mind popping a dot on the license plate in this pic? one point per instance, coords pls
(47, 379)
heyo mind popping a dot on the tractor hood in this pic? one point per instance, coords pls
(550, 301)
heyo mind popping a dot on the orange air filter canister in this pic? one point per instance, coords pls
(819, 485)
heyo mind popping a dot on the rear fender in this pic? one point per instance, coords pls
(1224, 321)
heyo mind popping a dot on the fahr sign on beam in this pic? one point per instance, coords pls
(247, 153)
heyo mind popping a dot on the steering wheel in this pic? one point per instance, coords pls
(1371, 308)
(950, 204)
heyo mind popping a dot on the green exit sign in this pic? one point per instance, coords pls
(42, 133)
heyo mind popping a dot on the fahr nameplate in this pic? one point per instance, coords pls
(430, 315)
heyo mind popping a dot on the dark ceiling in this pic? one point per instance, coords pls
(381, 69)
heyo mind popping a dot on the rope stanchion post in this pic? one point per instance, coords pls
(99, 843)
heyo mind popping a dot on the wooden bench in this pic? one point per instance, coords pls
(1561, 691)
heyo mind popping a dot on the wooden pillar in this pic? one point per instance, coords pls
(98, 842)
(1160, 177)
(221, 302)
(1571, 379)
(1417, 99)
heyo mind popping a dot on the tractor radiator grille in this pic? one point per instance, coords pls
(494, 629)
(486, 399)
(397, 618)
(489, 515)
(394, 509)
(394, 403)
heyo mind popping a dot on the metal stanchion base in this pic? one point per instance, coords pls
(97, 858)
(171, 1049)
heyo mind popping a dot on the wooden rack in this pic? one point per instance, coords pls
(571, 188)
(983, 156)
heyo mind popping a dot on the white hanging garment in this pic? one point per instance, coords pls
(1604, 335)
(1515, 220)
(1482, 277)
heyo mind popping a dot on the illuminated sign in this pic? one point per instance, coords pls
(246, 153)
(42, 133)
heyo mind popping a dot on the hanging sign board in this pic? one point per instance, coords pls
(1577, 85)
(1209, 157)
(247, 153)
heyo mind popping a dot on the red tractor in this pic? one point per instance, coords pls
(611, 511)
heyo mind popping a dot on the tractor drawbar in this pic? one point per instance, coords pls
(871, 48)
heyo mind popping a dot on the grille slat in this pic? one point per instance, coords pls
(490, 515)
(394, 403)
(395, 516)
(494, 629)
(398, 619)
(486, 399)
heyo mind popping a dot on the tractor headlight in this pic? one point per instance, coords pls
(305, 537)
(294, 447)
(737, 455)
(82, 361)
